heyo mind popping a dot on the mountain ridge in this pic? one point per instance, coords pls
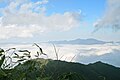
(88, 41)
(56, 68)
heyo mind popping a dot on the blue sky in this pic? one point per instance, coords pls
(45, 20)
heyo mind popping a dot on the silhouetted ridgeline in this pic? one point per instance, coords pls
(89, 41)
(46, 69)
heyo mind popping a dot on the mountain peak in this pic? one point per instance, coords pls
(88, 41)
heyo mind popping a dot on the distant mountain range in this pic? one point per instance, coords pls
(118, 42)
(89, 41)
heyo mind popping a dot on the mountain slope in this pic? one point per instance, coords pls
(57, 70)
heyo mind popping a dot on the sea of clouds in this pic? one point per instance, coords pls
(108, 53)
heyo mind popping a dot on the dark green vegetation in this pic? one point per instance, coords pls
(43, 69)
(47, 69)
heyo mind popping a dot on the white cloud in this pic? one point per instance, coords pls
(109, 53)
(24, 19)
(111, 18)
(15, 31)
(111, 57)
(42, 2)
